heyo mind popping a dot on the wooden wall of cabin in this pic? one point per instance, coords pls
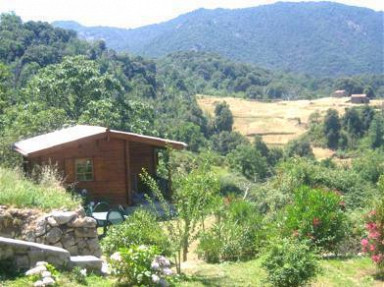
(109, 167)
(141, 156)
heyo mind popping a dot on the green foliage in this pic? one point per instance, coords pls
(370, 165)
(223, 117)
(249, 162)
(332, 128)
(225, 142)
(71, 85)
(193, 199)
(79, 275)
(133, 265)
(290, 263)
(300, 147)
(300, 171)
(352, 123)
(17, 191)
(141, 227)
(307, 44)
(376, 131)
(236, 236)
(316, 215)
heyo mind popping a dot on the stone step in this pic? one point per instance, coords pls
(89, 262)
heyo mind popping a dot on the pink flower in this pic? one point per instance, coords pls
(377, 258)
(374, 235)
(371, 226)
(372, 247)
(364, 242)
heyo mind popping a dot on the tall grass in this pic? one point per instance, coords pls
(17, 191)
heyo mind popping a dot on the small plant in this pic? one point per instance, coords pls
(141, 266)
(290, 263)
(236, 236)
(140, 228)
(80, 275)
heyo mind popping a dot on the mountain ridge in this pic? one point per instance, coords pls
(318, 38)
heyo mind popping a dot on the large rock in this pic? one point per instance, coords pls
(86, 232)
(88, 222)
(91, 263)
(63, 217)
(54, 235)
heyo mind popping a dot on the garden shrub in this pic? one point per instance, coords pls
(316, 215)
(236, 236)
(290, 263)
(373, 244)
(140, 266)
(140, 228)
(300, 171)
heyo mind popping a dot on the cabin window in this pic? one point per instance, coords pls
(84, 169)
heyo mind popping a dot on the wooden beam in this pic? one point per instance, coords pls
(127, 163)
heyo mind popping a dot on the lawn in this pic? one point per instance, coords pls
(17, 191)
(351, 272)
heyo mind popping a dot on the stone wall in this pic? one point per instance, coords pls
(26, 254)
(71, 230)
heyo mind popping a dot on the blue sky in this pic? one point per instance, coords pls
(131, 13)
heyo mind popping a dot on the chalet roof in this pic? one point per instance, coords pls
(65, 136)
(358, 95)
(339, 91)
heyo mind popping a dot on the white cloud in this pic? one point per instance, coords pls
(130, 13)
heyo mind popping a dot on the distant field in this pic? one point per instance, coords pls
(276, 122)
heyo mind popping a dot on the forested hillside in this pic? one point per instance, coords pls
(212, 74)
(316, 38)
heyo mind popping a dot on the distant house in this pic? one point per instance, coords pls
(104, 162)
(340, 94)
(359, 99)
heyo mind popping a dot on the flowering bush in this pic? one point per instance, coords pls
(373, 244)
(139, 265)
(316, 215)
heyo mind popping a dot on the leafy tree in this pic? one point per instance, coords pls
(332, 128)
(368, 90)
(300, 148)
(367, 115)
(223, 117)
(352, 123)
(376, 131)
(190, 134)
(249, 162)
(71, 85)
(224, 142)
(260, 146)
(352, 86)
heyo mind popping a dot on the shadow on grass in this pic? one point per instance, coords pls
(379, 276)
(205, 280)
(339, 257)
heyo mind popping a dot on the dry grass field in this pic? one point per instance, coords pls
(277, 122)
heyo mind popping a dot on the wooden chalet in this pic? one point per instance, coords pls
(104, 162)
(359, 99)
